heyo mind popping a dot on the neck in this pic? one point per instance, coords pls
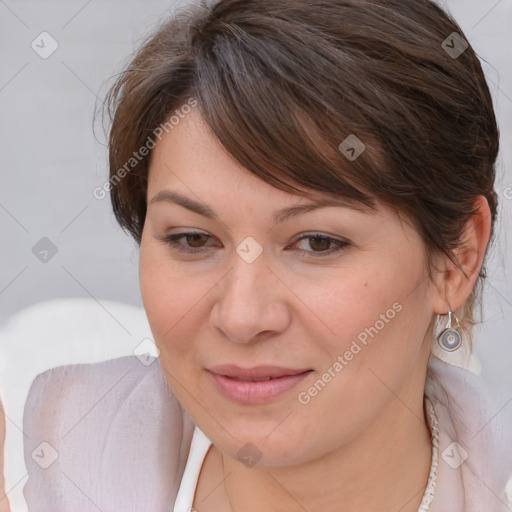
(385, 468)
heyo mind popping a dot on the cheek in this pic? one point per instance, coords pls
(370, 348)
(352, 304)
(375, 310)
(170, 298)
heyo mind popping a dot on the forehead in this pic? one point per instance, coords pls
(190, 161)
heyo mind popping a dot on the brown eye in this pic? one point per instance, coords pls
(321, 245)
(196, 239)
(193, 241)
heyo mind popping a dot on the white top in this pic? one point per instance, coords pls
(201, 444)
(198, 450)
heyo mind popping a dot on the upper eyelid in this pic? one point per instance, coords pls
(301, 236)
(304, 234)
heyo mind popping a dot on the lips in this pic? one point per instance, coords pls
(258, 385)
(253, 380)
(256, 374)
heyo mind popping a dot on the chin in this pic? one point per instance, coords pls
(261, 445)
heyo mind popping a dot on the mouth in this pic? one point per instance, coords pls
(257, 373)
(251, 380)
(252, 386)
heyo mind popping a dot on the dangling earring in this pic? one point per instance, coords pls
(450, 339)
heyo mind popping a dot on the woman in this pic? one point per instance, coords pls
(312, 188)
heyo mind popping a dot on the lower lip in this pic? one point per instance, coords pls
(247, 392)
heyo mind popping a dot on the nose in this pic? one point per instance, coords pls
(251, 304)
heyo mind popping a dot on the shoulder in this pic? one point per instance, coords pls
(104, 383)
(475, 447)
(110, 435)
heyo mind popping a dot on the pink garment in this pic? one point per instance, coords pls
(467, 416)
(123, 439)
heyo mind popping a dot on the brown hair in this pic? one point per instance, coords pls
(282, 83)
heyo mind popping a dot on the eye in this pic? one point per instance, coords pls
(195, 238)
(322, 245)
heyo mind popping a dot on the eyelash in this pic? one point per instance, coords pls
(172, 241)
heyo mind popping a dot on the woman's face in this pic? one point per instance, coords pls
(253, 291)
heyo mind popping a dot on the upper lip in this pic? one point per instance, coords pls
(257, 372)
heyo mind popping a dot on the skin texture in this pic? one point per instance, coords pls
(363, 440)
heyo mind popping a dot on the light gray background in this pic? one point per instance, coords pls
(51, 160)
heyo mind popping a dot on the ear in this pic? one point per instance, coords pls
(453, 287)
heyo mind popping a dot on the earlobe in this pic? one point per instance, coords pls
(455, 283)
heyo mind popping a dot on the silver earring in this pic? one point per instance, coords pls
(450, 339)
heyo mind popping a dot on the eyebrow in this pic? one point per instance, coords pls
(170, 196)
